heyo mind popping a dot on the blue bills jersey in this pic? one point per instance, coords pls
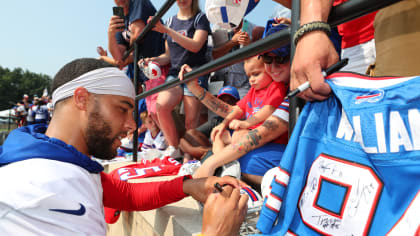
(352, 165)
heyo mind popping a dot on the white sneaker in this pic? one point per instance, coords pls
(189, 168)
(230, 169)
(173, 152)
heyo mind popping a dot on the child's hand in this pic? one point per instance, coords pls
(101, 51)
(217, 130)
(238, 124)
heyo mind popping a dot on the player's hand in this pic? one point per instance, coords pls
(116, 24)
(314, 52)
(224, 212)
(201, 188)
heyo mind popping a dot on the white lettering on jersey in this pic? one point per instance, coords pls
(399, 135)
(413, 120)
(130, 173)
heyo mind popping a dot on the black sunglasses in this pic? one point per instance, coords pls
(278, 59)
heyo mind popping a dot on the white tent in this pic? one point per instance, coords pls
(5, 113)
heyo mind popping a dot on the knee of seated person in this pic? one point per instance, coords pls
(163, 108)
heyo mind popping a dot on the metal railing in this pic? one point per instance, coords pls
(339, 14)
(135, 47)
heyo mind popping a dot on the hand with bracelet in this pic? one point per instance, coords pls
(192, 85)
(314, 51)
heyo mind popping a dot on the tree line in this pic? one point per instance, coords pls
(17, 82)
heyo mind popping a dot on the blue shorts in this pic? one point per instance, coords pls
(260, 160)
(202, 81)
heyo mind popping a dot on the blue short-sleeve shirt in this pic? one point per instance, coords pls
(178, 54)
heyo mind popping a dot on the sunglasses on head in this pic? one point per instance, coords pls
(277, 59)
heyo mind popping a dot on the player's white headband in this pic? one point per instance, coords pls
(109, 80)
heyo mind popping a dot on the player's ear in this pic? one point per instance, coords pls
(81, 96)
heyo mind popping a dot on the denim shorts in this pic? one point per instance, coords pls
(260, 160)
(202, 81)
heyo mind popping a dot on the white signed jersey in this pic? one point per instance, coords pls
(48, 197)
(352, 165)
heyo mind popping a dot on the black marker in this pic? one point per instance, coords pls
(332, 69)
(218, 187)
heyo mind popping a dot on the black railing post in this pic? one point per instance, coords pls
(136, 101)
(295, 103)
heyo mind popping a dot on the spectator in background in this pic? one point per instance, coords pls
(226, 42)
(30, 117)
(123, 32)
(154, 142)
(252, 110)
(195, 143)
(186, 43)
(26, 102)
(357, 42)
(50, 107)
(20, 113)
(40, 112)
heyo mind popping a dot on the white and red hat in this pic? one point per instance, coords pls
(228, 14)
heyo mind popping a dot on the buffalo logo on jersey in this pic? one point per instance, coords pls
(371, 97)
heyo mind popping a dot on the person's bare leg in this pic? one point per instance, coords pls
(166, 102)
(192, 108)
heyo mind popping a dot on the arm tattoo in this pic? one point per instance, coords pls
(217, 106)
(252, 141)
(270, 125)
(202, 95)
(253, 137)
